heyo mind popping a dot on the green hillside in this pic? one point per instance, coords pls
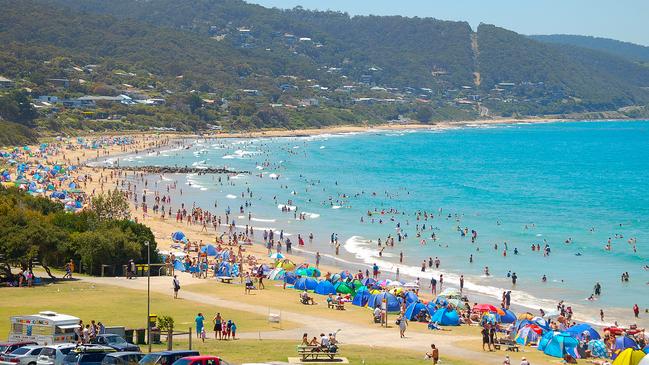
(630, 51)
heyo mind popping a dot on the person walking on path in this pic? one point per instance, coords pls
(199, 324)
(403, 324)
(176, 284)
(433, 354)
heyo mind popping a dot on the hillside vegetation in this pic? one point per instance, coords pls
(195, 65)
(630, 51)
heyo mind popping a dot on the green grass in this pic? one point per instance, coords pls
(241, 351)
(115, 306)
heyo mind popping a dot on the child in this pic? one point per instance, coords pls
(203, 334)
(229, 328)
(234, 331)
(225, 331)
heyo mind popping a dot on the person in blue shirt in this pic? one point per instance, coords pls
(199, 324)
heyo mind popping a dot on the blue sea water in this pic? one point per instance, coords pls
(586, 182)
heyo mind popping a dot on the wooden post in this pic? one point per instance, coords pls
(190, 338)
(170, 336)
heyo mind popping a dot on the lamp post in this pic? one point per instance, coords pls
(148, 294)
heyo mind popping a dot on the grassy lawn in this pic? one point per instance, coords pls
(277, 298)
(240, 351)
(115, 306)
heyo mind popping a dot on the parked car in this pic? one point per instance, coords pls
(26, 355)
(87, 355)
(122, 358)
(200, 360)
(166, 357)
(116, 342)
(8, 347)
(54, 354)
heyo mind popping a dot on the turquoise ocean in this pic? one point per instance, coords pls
(569, 185)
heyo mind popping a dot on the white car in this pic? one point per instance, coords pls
(54, 354)
(26, 355)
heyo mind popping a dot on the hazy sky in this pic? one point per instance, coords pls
(618, 19)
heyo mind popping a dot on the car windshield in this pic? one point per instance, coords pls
(66, 350)
(92, 357)
(20, 351)
(3, 348)
(48, 351)
(150, 359)
(182, 362)
(115, 340)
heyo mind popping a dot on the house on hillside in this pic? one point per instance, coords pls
(6, 83)
(64, 83)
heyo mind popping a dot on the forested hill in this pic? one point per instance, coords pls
(630, 51)
(395, 51)
(203, 64)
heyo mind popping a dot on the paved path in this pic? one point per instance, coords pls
(350, 334)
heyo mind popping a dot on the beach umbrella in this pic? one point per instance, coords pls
(598, 348)
(644, 361)
(276, 274)
(481, 308)
(529, 333)
(526, 315)
(286, 264)
(276, 256)
(178, 236)
(629, 357)
(325, 287)
(361, 298)
(209, 250)
(451, 293)
(508, 317)
(577, 332)
(446, 317)
(625, 342)
(343, 288)
(305, 284)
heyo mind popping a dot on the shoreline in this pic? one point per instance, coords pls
(339, 263)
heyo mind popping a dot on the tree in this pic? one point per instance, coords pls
(110, 205)
(16, 107)
(424, 114)
(195, 102)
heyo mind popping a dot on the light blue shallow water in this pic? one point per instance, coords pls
(585, 181)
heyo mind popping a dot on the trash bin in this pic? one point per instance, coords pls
(155, 335)
(140, 333)
(128, 335)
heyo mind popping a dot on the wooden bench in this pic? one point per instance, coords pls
(225, 279)
(315, 353)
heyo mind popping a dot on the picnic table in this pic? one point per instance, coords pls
(225, 279)
(510, 345)
(315, 353)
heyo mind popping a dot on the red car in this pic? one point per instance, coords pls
(8, 347)
(200, 360)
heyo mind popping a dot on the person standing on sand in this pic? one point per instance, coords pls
(402, 322)
(601, 314)
(176, 284)
(636, 310)
(218, 322)
(199, 324)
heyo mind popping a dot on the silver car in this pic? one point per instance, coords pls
(26, 355)
(54, 354)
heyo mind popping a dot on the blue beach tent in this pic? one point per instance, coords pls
(393, 304)
(290, 277)
(578, 330)
(361, 298)
(411, 297)
(209, 250)
(446, 317)
(305, 284)
(414, 309)
(179, 266)
(325, 287)
(558, 344)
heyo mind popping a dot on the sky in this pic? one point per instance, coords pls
(618, 19)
